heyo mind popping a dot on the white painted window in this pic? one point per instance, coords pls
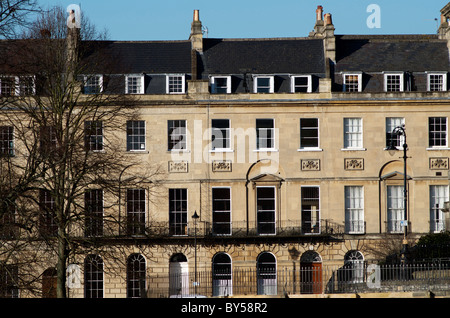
(391, 124)
(353, 133)
(354, 209)
(263, 84)
(393, 82)
(438, 195)
(221, 84)
(134, 84)
(436, 82)
(301, 84)
(437, 132)
(93, 84)
(175, 84)
(17, 85)
(395, 208)
(352, 82)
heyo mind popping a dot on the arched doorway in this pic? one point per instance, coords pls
(310, 273)
(178, 275)
(221, 275)
(49, 283)
(354, 266)
(266, 274)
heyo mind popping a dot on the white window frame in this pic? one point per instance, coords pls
(214, 86)
(444, 81)
(391, 124)
(258, 222)
(229, 138)
(256, 87)
(314, 220)
(140, 85)
(87, 78)
(259, 138)
(345, 84)
(16, 80)
(359, 134)
(401, 79)
(438, 195)
(169, 89)
(395, 208)
(145, 137)
(302, 147)
(354, 209)
(308, 85)
(230, 211)
(434, 147)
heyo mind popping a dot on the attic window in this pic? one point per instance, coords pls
(301, 84)
(134, 84)
(263, 84)
(393, 82)
(175, 84)
(17, 85)
(437, 82)
(93, 84)
(221, 84)
(352, 82)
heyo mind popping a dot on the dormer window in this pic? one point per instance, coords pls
(352, 82)
(93, 84)
(221, 84)
(393, 82)
(263, 84)
(134, 84)
(17, 85)
(175, 84)
(301, 84)
(437, 82)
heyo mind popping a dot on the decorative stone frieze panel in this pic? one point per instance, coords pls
(221, 166)
(354, 164)
(310, 164)
(178, 166)
(438, 163)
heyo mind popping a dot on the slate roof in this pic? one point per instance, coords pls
(263, 56)
(414, 53)
(157, 57)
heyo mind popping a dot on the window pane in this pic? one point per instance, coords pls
(437, 131)
(220, 135)
(310, 210)
(135, 135)
(265, 210)
(178, 211)
(309, 133)
(221, 211)
(176, 134)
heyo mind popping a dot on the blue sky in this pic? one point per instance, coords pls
(170, 19)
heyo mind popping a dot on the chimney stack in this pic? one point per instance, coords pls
(196, 36)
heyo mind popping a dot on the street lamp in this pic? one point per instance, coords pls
(195, 217)
(400, 131)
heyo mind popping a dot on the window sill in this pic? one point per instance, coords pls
(353, 149)
(266, 150)
(310, 149)
(221, 150)
(438, 148)
(138, 152)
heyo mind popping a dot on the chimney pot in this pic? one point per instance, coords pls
(319, 12)
(328, 19)
(196, 15)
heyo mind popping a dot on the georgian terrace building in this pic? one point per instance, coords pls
(280, 147)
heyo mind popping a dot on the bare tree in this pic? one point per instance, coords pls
(69, 127)
(14, 15)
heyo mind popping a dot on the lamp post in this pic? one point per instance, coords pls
(195, 218)
(400, 131)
